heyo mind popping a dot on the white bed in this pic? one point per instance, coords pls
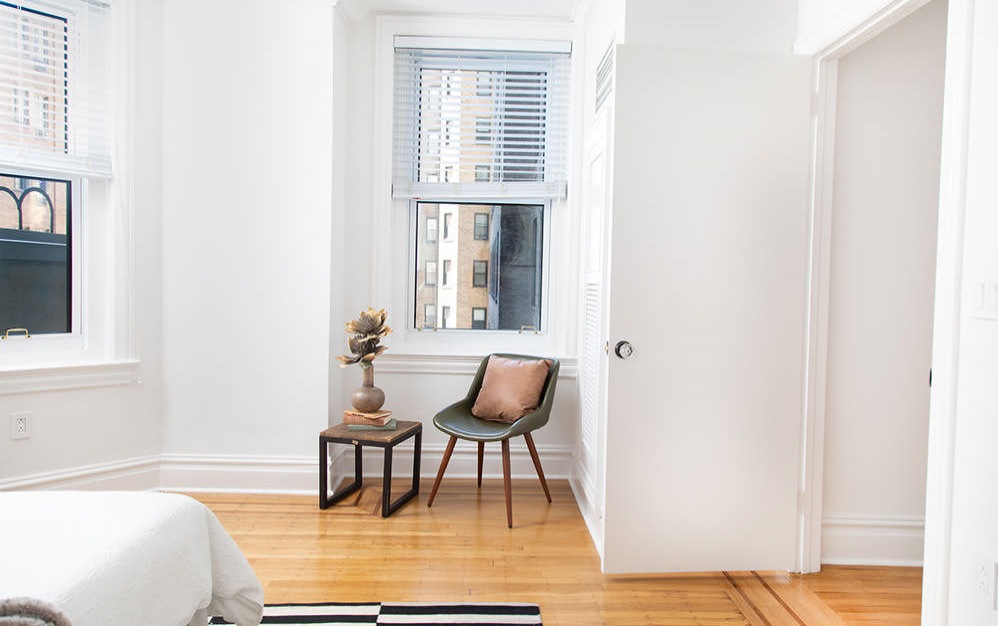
(124, 559)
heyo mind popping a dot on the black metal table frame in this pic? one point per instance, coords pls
(387, 506)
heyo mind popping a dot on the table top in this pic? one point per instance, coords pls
(404, 429)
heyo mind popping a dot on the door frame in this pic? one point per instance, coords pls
(825, 86)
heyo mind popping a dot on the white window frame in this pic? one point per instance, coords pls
(393, 267)
(98, 351)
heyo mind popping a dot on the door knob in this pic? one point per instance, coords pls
(623, 349)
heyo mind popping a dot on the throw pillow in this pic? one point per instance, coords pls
(510, 389)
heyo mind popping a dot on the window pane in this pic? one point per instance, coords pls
(35, 255)
(500, 247)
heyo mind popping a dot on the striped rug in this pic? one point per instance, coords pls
(402, 614)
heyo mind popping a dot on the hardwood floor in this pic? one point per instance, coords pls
(461, 550)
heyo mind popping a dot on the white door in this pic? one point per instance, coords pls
(707, 284)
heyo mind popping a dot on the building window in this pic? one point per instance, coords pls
(54, 139)
(480, 274)
(492, 185)
(431, 230)
(506, 268)
(430, 315)
(431, 273)
(483, 130)
(444, 316)
(478, 318)
(482, 226)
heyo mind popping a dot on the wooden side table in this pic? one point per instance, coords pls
(386, 439)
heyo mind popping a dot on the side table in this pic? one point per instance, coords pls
(386, 439)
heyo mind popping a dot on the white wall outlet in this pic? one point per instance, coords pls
(986, 582)
(20, 425)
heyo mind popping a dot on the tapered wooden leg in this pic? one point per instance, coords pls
(507, 485)
(440, 472)
(537, 463)
(481, 457)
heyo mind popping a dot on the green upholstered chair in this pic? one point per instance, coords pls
(457, 421)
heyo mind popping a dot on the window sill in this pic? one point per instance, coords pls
(17, 380)
(448, 364)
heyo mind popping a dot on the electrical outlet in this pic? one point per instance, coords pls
(20, 425)
(987, 582)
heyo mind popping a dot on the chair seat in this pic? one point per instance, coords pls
(463, 425)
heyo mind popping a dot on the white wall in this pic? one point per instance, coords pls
(973, 535)
(823, 23)
(761, 25)
(888, 125)
(247, 167)
(107, 436)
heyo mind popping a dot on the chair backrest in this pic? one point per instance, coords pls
(543, 411)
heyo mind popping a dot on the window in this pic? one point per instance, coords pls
(444, 316)
(430, 316)
(481, 226)
(492, 185)
(483, 129)
(506, 268)
(431, 273)
(478, 318)
(54, 139)
(480, 274)
(431, 230)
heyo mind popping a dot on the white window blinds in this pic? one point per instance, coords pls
(54, 86)
(481, 123)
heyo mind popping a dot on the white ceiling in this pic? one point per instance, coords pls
(563, 9)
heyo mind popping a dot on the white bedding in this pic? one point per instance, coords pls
(124, 559)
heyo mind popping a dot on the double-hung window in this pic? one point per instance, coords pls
(480, 144)
(54, 154)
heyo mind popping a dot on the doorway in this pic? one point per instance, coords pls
(880, 229)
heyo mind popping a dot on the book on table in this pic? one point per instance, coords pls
(390, 425)
(378, 418)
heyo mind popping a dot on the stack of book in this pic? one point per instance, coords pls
(379, 420)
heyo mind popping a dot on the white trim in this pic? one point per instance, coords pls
(816, 342)
(443, 365)
(873, 540)
(556, 459)
(946, 325)
(139, 473)
(239, 474)
(491, 44)
(858, 25)
(584, 489)
(828, 46)
(62, 377)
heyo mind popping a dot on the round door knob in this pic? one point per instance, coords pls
(623, 349)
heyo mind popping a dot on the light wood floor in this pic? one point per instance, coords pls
(461, 550)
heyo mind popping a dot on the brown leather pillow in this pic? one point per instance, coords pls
(510, 389)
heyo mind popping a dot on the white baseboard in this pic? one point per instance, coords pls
(584, 489)
(239, 474)
(861, 540)
(556, 460)
(135, 474)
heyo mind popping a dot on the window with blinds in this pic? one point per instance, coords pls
(483, 123)
(53, 87)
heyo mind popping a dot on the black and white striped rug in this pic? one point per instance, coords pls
(402, 614)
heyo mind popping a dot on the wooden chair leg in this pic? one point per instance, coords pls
(481, 457)
(507, 485)
(537, 464)
(440, 472)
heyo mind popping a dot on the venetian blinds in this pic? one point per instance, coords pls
(54, 86)
(482, 123)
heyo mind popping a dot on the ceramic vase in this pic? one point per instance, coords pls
(367, 398)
